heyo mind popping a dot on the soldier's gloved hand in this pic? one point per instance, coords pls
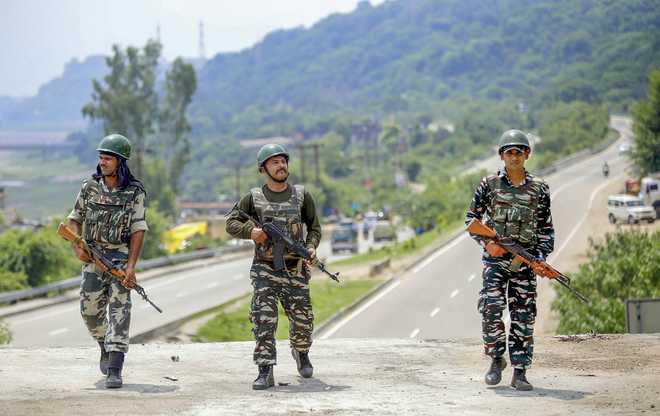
(258, 235)
(495, 250)
(82, 254)
(130, 280)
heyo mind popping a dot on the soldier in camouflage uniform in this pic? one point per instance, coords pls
(290, 207)
(110, 210)
(517, 205)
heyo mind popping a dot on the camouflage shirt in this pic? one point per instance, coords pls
(545, 232)
(137, 219)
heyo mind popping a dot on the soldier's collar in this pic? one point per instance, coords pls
(505, 177)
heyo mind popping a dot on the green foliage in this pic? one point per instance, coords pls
(12, 281)
(625, 266)
(158, 224)
(30, 258)
(646, 125)
(5, 335)
(409, 56)
(567, 128)
(231, 322)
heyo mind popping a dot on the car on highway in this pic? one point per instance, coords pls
(384, 231)
(344, 237)
(625, 148)
(628, 208)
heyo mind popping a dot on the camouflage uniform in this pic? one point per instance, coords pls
(108, 217)
(522, 213)
(290, 209)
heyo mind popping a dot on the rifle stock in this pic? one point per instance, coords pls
(540, 267)
(101, 262)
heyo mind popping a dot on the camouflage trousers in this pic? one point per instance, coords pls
(105, 306)
(517, 289)
(269, 289)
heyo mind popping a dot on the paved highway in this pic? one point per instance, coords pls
(438, 297)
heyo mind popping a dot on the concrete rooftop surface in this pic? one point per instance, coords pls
(579, 375)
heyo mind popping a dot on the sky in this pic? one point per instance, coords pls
(39, 37)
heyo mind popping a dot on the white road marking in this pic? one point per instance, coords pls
(414, 333)
(434, 312)
(237, 277)
(358, 311)
(506, 318)
(182, 294)
(58, 331)
(471, 278)
(453, 294)
(430, 259)
(212, 285)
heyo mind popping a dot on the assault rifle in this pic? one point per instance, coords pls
(476, 227)
(101, 261)
(281, 241)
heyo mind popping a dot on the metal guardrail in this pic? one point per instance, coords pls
(70, 283)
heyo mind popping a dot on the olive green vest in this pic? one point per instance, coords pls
(108, 215)
(512, 211)
(286, 215)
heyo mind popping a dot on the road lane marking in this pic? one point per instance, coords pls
(212, 285)
(237, 277)
(58, 331)
(414, 333)
(182, 294)
(472, 276)
(453, 294)
(359, 310)
(430, 259)
(434, 312)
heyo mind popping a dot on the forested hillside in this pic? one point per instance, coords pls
(415, 55)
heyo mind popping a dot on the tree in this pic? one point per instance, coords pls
(128, 103)
(180, 85)
(646, 126)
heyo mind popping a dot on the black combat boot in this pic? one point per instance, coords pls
(116, 363)
(103, 361)
(265, 378)
(494, 374)
(519, 381)
(305, 368)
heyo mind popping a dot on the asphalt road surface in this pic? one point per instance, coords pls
(437, 299)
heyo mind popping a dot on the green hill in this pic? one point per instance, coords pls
(406, 56)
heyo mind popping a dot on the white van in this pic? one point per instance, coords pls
(628, 208)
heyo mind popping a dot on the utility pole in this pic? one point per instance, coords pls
(317, 161)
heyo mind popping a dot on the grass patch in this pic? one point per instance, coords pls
(232, 323)
(410, 246)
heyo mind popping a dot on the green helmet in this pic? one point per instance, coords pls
(513, 138)
(117, 145)
(270, 150)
